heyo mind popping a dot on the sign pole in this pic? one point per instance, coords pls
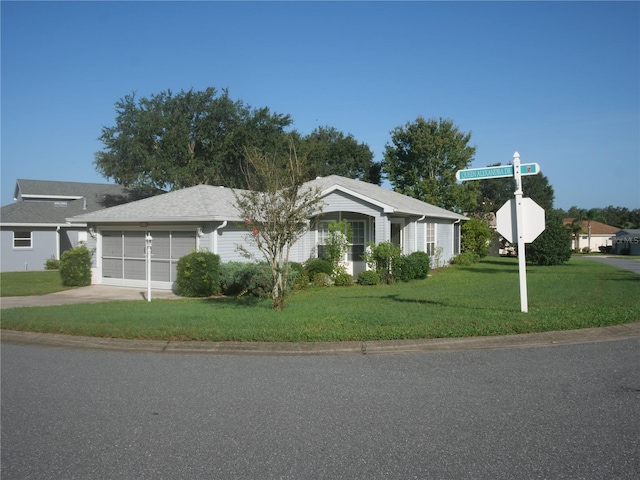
(522, 266)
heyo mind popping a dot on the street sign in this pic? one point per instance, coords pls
(499, 171)
(533, 224)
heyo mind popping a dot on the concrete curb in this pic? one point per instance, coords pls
(529, 340)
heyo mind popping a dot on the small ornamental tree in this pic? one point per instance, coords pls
(475, 237)
(337, 245)
(277, 210)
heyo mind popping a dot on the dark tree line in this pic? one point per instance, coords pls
(173, 141)
(620, 217)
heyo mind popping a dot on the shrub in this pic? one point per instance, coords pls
(343, 280)
(232, 277)
(321, 279)
(465, 258)
(553, 246)
(198, 274)
(368, 277)
(586, 250)
(298, 276)
(381, 258)
(52, 264)
(411, 267)
(75, 267)
(318, 265)
(420, 263)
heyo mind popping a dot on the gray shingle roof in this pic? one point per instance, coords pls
(400, 204)
(193, 204)
(209, 203)
(52, 202)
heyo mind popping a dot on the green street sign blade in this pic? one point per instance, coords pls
(499, 171)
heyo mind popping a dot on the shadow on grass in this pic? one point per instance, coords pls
(397, 298)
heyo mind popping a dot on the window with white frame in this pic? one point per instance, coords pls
(430, 237)
(22, 240)
(357, 245)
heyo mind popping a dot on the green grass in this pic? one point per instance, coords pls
(19, 284)
(482, 299)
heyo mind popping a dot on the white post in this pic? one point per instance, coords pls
(148, 239)
(522, 266)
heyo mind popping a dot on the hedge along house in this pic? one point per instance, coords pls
(206, 217)
(34, 228)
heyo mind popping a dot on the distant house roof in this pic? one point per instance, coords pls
(633, 232)
(597, 228)
(47, 202)
(211, 203)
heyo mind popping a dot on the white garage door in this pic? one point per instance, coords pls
(124, 260)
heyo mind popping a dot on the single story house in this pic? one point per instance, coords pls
(593, 235)
(626, 242)
(34, 228)
(205, 217)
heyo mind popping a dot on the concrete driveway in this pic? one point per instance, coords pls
(90, 294)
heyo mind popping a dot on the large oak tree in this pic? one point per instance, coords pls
(179, 140)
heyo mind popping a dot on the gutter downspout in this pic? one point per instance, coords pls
(215, 236)
(459, 236)
(58, 242)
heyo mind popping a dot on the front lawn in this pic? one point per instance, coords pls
(481, 299)
(19, 284)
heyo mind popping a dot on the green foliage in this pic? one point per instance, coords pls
(411, 267)
(368, 277)
(277, 209)
(318, 265)
(75, 267)
(321, 279)
(233, 277)
(422, 160)
(495, 192)
(298, 275)
(343, 279)
(337, 244)
(185, 139)
(553, 246)
(331, 152)
(380, 257)
(52, 264)
(198, 274)
(465, 258)
(475, 237)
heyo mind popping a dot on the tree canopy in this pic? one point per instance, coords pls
(173, 141)
(494, 192)
(422, 160)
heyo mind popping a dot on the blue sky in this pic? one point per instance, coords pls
(559, 82)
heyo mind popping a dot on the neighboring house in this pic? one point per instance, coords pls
(592, 235)
(34, 228)
(205, 217)
(627, 242)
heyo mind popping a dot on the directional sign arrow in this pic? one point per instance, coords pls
(499, 171)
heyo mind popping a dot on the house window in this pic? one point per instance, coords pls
(357, 245)
(430, 238)
(356, 248)
(22, 240)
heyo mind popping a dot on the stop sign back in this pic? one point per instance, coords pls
(532, 220)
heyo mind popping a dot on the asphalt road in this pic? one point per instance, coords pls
(570, 411)
(631, 264)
